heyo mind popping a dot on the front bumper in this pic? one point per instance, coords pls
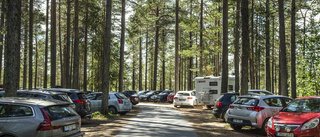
(314, 132)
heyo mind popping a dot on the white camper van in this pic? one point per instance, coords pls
(208, 89)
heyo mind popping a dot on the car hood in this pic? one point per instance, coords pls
(293, 117)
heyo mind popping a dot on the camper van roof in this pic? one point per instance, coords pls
(215, 77)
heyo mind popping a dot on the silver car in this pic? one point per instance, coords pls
(254, 110)
(118, 103)
(32, 117)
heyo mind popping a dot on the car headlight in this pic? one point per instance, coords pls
(311, 124)
(269, 124)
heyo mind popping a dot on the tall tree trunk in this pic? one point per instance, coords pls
(53, 44)
(123, 31)
(3, 6)
(273, 60)
(85, 50)
(236, 45)
(201, 40)
(30, 43)
(267, 62)
(245, 48)
(156, 50)
(45, 77)
(36, 70)
(60, 45)
(140, 62)
(224, 80)
(146, 73)
(75, 79)
(190, 58)
(106, 60)
(133, 68)
(12, 59)
(163, 61)
(25, 50)
(67, 54)
(283, 73)
(176, 79)
(293, 49)
(252, 77)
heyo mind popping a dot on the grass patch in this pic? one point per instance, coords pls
(98, 115)
(226, 125)
(213, 117)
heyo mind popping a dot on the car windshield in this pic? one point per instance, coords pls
(247, 101)
(183, 94)
(59, 112)
(149, 93)
(303, 105)
(163, 93)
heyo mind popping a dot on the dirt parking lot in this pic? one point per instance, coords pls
(201, 120)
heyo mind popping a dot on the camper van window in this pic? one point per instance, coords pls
(213, 83)
(230, 87)
(201, 81)
(213, 91)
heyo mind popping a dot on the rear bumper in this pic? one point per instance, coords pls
(79, 134)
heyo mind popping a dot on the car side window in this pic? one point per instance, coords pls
(273, 102)
(19, 111)
(2, 111)
(233, 98)
(286, 101)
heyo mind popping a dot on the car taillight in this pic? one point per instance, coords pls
(231, 106)
(189, 97)
(46, 123)
(175, 97)
(256, 108)
(80, 101)
(120, 101)
(218, 104)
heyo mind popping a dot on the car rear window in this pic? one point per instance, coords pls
(82, 96)
(59, 112)
(62, 98)
(247, 101)
(183, 94)
(121, 96)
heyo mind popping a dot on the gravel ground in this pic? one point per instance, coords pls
(201, 120)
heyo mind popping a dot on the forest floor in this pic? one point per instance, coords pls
(201, 120)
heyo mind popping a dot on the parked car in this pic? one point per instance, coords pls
(170, 97)
(139, 93)
(299, 118)
(79, 98)
(31, 117)
(134, 99)
(185, 98)
(223, 102)
(161, 97)
(130, 92)
(118, 103)
(254, 110)
(147, 96)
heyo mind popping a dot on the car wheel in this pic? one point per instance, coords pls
(149, 99)
(113, 110)
(264, 127)
(235, 127)
(175, 106)
(223, 116)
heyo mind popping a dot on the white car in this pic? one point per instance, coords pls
(185, 98)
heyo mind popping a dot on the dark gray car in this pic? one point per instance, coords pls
(32, 117)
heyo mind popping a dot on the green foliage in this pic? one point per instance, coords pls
(98, 115)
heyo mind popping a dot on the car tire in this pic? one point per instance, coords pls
(235, 127)
(223, 115)
(264, 126)
(175, 106)
(149, 99)
(113, 110)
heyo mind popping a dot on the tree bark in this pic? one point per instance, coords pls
(12, 59)
(201, 40)
(25, 50)
(176, 80)
(190, 58)
(106, 60)
(163, 61)
(224, 80)
(123, 31)
(75, 82)
(236, 45)
(3, 6)
(283, 73)
(252, 76)
(146, 75)
(60, 45)
(45, 77)
(245, 48)
(156, 50)
(30, 43)
(293, 49)
(140, 62)
(267, 50)
(36, 69)
(67, 54)
(85, 50)
(53, 44)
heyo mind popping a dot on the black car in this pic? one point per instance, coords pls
(162, 97)
(79, 98)
(222, 104)
(130, 92)
(134, 99)
(147, 96)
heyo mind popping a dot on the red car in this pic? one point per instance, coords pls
(300, 118)
(170, 97)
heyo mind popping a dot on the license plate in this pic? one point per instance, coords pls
(182, 100)
(237, 121)
(69, 127)
(285, 134)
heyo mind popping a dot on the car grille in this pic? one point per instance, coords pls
(283, 126)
